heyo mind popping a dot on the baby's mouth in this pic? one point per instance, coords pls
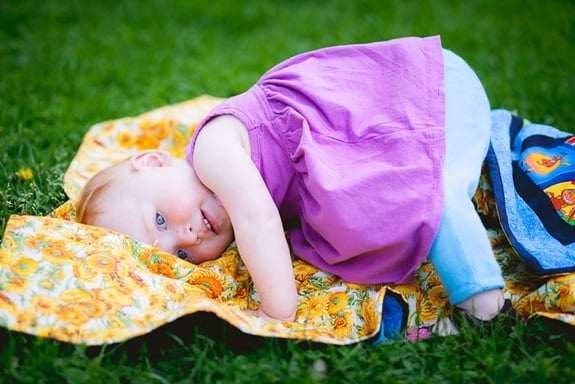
(208, 223)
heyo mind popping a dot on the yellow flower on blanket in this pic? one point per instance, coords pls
(147, 141)
(44, 304)
(438, 295)
(26, 316)
(227, 263)
(425, 308)
(84, 271)
(242, 296)
(38, 241)
(162, 268)
(79, 304)
(102, 263)
(303, 271)
(46, 284)
(17, 284)
(565, 298)
(6, 303)
(337, 302)
(68, 332)
(354, 287)
(208, 280)
(314, 307)
(243, 276)
(173, 290)
(109, 128)
(94, 308)
(484, 201)
(75, 295)
(530, 305)
(17, 222)
(72, 314)
(368, 313)
(5, 256)
(57, 254)
(159, 128)
(193, 292)
(180, 140)
(114, 296)
(562, 279)
(136, 279)
(127, 139)
(343, 324)
(177, 151)
(25, 266)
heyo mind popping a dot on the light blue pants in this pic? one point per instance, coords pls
(461, 252)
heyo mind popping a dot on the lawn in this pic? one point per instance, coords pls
(67, 65)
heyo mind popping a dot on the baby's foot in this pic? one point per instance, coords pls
(507, 317)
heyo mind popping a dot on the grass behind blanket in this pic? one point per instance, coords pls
(66, 65)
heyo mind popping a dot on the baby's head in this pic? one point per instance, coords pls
(100, 189)
(157, 199)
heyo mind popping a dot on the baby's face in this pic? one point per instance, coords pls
(170, 208)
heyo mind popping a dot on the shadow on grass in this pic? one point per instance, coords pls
(553, 332)
(204, 345)
(209, 329)
(201, 327)
(205, 333)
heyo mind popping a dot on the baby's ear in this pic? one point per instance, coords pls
(151, 158)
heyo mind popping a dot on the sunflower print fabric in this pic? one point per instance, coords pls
(83, 284)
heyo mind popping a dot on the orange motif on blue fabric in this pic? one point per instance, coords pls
(552, 170)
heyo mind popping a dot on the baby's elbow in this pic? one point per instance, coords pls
(281, 313)
(280, 306)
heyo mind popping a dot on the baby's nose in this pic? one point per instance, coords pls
(188, 236)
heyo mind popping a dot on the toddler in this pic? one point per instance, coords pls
(367, 154)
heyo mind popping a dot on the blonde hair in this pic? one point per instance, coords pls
(90, 203)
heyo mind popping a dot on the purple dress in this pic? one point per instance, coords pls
(350, 143)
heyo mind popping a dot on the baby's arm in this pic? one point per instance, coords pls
(223, 164)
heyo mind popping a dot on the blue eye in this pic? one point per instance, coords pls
(182, 254)
(160, 220)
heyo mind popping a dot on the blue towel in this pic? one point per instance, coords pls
(532, 170)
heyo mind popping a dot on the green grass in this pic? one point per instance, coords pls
(69, 64)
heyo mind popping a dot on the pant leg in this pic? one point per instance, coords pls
(461, 252)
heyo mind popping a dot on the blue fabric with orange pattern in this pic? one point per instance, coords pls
(532, 168)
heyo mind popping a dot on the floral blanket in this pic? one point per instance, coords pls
(82, 284)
